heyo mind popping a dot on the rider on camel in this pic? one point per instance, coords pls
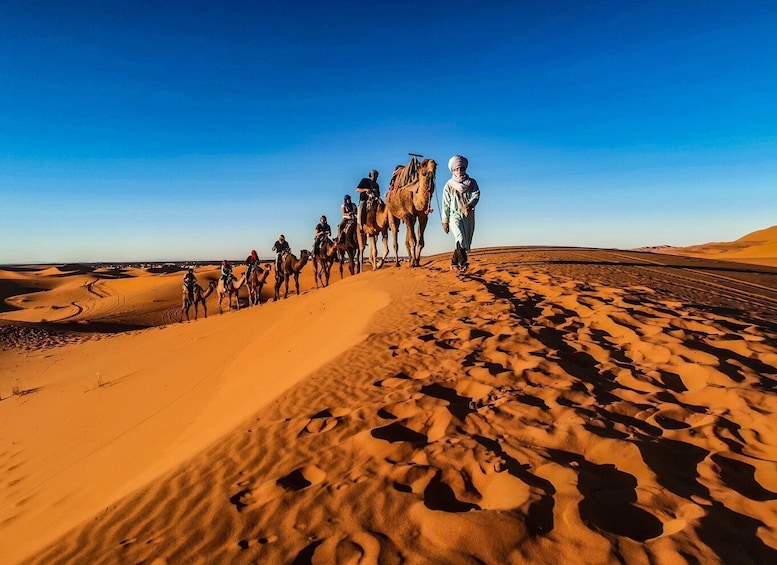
(280, 247)
(252, 262)
(226, 272)
(348, 209)
(189, 280)
(322, 230)
(367, 188)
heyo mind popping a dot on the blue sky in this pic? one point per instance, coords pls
(202, 130)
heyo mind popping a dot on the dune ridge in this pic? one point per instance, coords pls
(550, 406)
(758, 247)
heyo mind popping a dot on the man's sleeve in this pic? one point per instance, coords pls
(446, 204)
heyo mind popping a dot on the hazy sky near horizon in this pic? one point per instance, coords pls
(202, 130)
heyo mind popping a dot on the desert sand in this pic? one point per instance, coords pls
(758, 247)
(551, 405)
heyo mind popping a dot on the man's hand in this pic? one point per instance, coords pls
(445, 227)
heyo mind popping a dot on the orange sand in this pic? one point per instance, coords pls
(551, 406)
(759, 248)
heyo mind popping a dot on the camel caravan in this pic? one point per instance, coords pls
(407, 201)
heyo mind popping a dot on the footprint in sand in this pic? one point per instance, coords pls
(396, 432)
(609, 497)
(397, 380)
(298, 479)
(325, 420)
(412, 478)
(246, 543)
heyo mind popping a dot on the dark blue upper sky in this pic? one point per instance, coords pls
(127, 126)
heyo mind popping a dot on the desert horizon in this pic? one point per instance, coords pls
(551, 404)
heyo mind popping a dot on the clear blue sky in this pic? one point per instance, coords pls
(202, 130)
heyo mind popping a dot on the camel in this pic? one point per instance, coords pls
(323, 261)
(376, 223)
(255, 283)
(409, 199)
(229, 290)
(348, 244)
(198, 295)
(290, 267)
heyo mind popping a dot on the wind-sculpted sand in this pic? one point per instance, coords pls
(552, 405)
(758, 247)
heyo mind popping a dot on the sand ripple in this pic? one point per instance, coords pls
(548, 407)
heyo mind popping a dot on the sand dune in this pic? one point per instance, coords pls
(553, 405)
(758, 247)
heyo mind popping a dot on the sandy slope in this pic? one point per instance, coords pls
(758, 247)
(95, 420)
(552, 406)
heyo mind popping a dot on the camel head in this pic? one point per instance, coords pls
(423, 196)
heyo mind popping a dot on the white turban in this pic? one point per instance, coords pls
(457, 161)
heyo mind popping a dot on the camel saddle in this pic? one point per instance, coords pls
(403, 175)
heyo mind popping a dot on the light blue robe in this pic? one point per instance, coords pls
(462, 226)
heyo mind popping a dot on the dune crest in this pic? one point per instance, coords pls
(758, 247)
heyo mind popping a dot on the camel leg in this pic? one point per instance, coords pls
(286, 287)
(410, 240)
(204, 309)
(374, 251)
(296, 282)
(360, 239)
(422, 220)
(320, 270)
(384, 237)
(394, 225)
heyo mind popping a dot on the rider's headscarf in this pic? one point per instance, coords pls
(460, 180)
(458, 161)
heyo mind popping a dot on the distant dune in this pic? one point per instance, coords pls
(758, 247)
(552, 405)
